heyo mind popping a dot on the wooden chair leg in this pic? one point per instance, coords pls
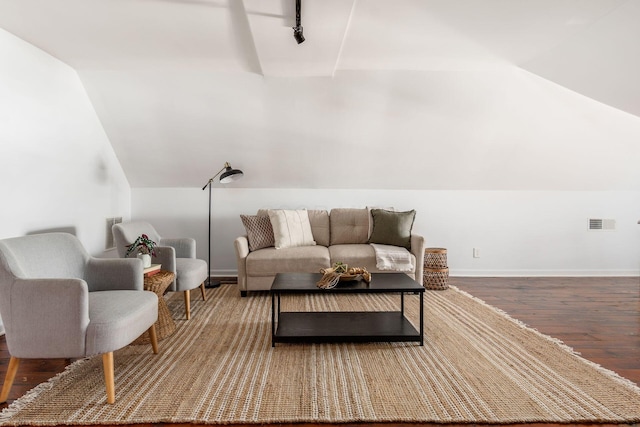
(14, 362)
(153, 338)
(107, 366)
(204, 295)
(187, 304)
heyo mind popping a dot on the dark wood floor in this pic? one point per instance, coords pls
(599, 317)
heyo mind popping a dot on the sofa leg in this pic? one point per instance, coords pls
(107, 366)
(243, 294)
(153, 337)
(187, 304)
(14, 362)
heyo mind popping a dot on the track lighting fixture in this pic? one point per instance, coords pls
(297, 30)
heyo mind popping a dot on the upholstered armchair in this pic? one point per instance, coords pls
(175, 254)
(57, 301)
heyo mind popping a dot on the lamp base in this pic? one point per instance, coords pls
(212, 283)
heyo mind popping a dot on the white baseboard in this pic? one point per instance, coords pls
(224, 273)
(544, 273)
(505, 273)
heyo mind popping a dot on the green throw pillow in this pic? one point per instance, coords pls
(392, 228)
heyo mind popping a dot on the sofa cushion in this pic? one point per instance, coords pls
(305, 259)
(259, 231)
(319, 220)
(118, 318)
(190, 273)
(369, 208)
(291, 228)
(349, 226)
(361, 255)
(354, 255)
(392, 228)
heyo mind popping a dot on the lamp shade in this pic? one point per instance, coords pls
(230, 174)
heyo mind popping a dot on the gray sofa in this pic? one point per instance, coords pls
(340, 235)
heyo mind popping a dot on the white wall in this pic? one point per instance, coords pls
(518, 233)
(57, 167)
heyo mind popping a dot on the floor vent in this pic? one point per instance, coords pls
(597, 224)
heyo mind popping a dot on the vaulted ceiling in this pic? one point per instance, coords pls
(415, 94)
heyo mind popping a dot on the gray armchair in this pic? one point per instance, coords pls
(56, 301)
(177, 255)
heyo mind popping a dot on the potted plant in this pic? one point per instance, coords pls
(145, 248)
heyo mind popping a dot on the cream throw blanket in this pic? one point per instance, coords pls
(394, 258)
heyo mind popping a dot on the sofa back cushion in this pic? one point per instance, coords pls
(291, 228)
(259, 231)
(349, 225)
(48, 255)
(319, 220)
(392, 228)
(126, 233)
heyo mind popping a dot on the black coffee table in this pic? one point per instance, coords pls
(344, 326)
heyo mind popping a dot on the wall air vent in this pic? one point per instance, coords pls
(598, 224)
(109, 244)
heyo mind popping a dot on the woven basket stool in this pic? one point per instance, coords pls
(435, 258)
(165, 326)
(436, 271)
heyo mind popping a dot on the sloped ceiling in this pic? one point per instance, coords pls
(414, 94)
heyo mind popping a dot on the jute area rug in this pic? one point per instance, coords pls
(477, 366)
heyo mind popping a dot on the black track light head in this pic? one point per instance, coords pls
(297, 34)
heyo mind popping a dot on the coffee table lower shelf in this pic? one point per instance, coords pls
(348, 326)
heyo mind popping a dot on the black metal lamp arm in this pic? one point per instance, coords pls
(226, 165)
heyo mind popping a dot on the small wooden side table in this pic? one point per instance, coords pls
(165, 326)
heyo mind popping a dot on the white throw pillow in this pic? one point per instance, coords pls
(291, 228)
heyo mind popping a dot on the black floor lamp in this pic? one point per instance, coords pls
(229, 175)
